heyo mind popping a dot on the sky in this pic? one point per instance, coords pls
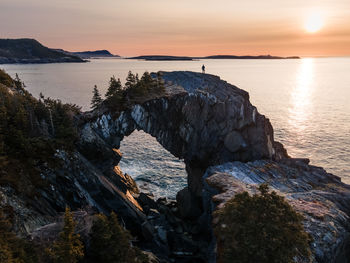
(182, 27)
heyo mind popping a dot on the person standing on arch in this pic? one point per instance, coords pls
(203, 69)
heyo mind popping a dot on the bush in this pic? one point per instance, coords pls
(260, 228)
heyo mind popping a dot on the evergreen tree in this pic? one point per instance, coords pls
(68, 248)
(115, 87)
(96, 98)
(160, 82)
(110, 243)
(131, 80)
(148, 82)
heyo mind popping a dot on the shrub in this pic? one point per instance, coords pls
(260, 228)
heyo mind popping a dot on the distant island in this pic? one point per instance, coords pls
(95, 54)
(165, 58)
(28, 50)
(161, 58)
(248, 57)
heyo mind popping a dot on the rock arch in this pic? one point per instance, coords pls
(202, 119)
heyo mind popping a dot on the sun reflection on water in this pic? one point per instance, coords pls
(301, 102)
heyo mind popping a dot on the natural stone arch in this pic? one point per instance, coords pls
(201, 119)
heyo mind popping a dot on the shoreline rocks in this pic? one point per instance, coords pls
(320, 197)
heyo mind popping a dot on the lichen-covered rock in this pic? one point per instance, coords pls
(321, 198)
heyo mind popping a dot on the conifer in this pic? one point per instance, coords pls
(114, 88)
(68, 248)
(96, 98)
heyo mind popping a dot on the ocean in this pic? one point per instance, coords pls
(307, 101)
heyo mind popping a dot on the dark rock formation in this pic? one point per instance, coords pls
(78, 184)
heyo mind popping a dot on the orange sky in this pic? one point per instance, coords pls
(181, 27)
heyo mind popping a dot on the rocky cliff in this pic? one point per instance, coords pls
(208, 122)
(227, 146)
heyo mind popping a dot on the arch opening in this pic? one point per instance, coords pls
(155, 170)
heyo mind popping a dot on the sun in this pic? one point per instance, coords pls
(313, 23)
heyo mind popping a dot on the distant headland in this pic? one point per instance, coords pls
(31, 51)
(95, 54)
(26, 50)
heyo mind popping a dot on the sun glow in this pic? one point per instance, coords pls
(314, 22)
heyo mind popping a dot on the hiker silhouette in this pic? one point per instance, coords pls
(203, 69)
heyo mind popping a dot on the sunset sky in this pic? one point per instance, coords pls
(183, 27)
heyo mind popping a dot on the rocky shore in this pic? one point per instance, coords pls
(227, 146)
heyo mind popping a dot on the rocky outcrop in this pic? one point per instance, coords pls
(201, 119)
(320, 197)
(76, 183)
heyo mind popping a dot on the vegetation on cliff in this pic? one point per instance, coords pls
(260, 228)
(12, 248)
(136, 90)
(108, 242)
(31, 131)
